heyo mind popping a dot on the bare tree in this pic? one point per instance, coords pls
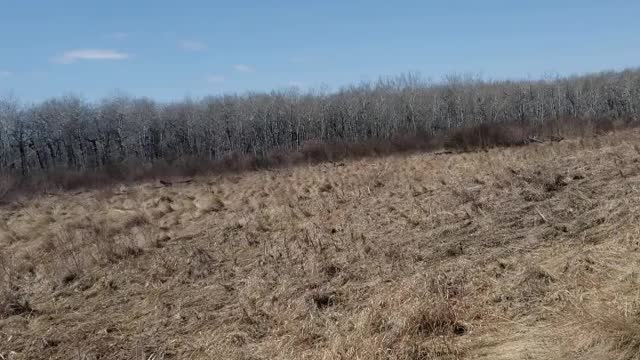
(69, 133)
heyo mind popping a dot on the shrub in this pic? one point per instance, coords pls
(312, 151)
(487, 135)
(315, 151)
(603, 126)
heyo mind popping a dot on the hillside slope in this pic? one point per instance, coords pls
(518, 253)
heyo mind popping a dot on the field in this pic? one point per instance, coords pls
(527, 252)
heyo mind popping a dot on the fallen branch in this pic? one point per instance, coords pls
(544, 219)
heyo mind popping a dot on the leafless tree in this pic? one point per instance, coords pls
(69, 133)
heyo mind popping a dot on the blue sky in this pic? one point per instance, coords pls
(172, 49)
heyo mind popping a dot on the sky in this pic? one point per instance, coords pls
(169, 50)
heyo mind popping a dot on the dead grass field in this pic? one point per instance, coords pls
(517, 253)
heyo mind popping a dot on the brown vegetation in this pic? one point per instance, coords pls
(483, 136)
(511, 253)
(70, 143)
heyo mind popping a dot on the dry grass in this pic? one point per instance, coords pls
(468, 138)
(518, 253)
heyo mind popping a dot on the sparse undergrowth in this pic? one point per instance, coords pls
(511, 253)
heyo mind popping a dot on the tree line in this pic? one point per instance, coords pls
(69, 133)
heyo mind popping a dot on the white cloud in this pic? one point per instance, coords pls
(192, 45)
(5, 74)
(243, 68)
(297, 84)
(72, 56)
(214, 79)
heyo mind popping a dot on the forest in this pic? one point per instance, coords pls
(72, 135)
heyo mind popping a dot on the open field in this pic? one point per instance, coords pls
(516, 253)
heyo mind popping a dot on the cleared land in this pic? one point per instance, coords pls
(516, 253)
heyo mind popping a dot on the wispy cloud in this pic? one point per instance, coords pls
(72, 56)
(243, 68)
(297, 84)
(192, 45)
(5, 74)
(214, 79)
